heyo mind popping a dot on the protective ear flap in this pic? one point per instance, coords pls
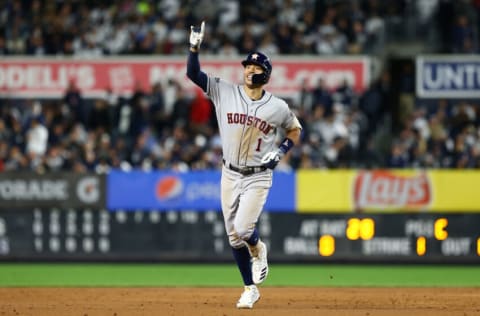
(260, 78)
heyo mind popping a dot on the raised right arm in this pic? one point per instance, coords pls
(193, 70)
(193, 65)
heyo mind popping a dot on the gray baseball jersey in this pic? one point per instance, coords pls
(248, 131)
(247, 128)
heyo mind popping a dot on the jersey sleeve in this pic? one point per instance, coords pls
(290, 119)
(214, 87)
(219, 90)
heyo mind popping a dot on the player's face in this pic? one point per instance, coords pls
(248, 72)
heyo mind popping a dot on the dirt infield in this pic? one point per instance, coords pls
(221, 301)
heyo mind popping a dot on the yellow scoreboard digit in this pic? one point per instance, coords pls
(440, 228)
(421, 245)
(360, 228)
(326, 245)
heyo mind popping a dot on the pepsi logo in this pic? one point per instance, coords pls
(168, 187)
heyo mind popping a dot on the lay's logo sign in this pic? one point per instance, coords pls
(168, 188)
(386, 189)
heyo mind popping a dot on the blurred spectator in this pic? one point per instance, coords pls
(16, 160)
(158, 116)
(284, 38)
(247, 42)
(119, 40)
(371, 157)
(406, 93)
(99, 117)
(227, 48)
(463, 115)
(464, 36)
(200, 114)
(321, 96)
(3, 46)
(181, 107)
(3, 154)
(398, 157)
(5, 133)
(145, 45)
(74, 101)
(36, 140)
(359, 38)
(268, 46)
(138, 113)
(345, 95)
(371, 104)
(54, 160)
(36, 45)
(177, 37)
(375, 28)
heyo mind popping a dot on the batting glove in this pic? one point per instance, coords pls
(196, 35)
(271, 159)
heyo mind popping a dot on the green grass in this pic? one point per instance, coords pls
(182, 275)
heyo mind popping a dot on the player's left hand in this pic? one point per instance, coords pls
(272, 158)
(196, 35)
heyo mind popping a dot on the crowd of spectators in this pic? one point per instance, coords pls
(172, 128)
(438, 134)
(93, 29)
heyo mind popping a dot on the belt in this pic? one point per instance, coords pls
(246, 171)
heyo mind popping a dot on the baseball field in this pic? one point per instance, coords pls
(185, 289)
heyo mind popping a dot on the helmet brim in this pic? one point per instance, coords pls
(250, 62)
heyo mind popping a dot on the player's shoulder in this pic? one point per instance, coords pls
(220, 82)
(278, 100)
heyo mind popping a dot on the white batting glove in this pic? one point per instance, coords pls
(272, 158)
(196, 35)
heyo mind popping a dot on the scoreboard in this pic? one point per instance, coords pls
(425, 237)
(99, 235)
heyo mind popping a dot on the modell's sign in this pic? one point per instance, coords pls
(18, 190)
(390, 190)
(33, 78)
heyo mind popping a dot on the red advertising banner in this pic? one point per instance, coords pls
(49, 77)
(376, 189)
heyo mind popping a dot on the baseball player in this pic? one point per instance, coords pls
(248, 119)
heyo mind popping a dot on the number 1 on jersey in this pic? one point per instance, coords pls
(259, 143)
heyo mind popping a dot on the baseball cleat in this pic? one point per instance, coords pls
(259, 263)
(249, 296)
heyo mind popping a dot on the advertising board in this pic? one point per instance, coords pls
(49, 77)
(452, 76)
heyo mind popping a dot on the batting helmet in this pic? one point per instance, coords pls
(261, 60)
